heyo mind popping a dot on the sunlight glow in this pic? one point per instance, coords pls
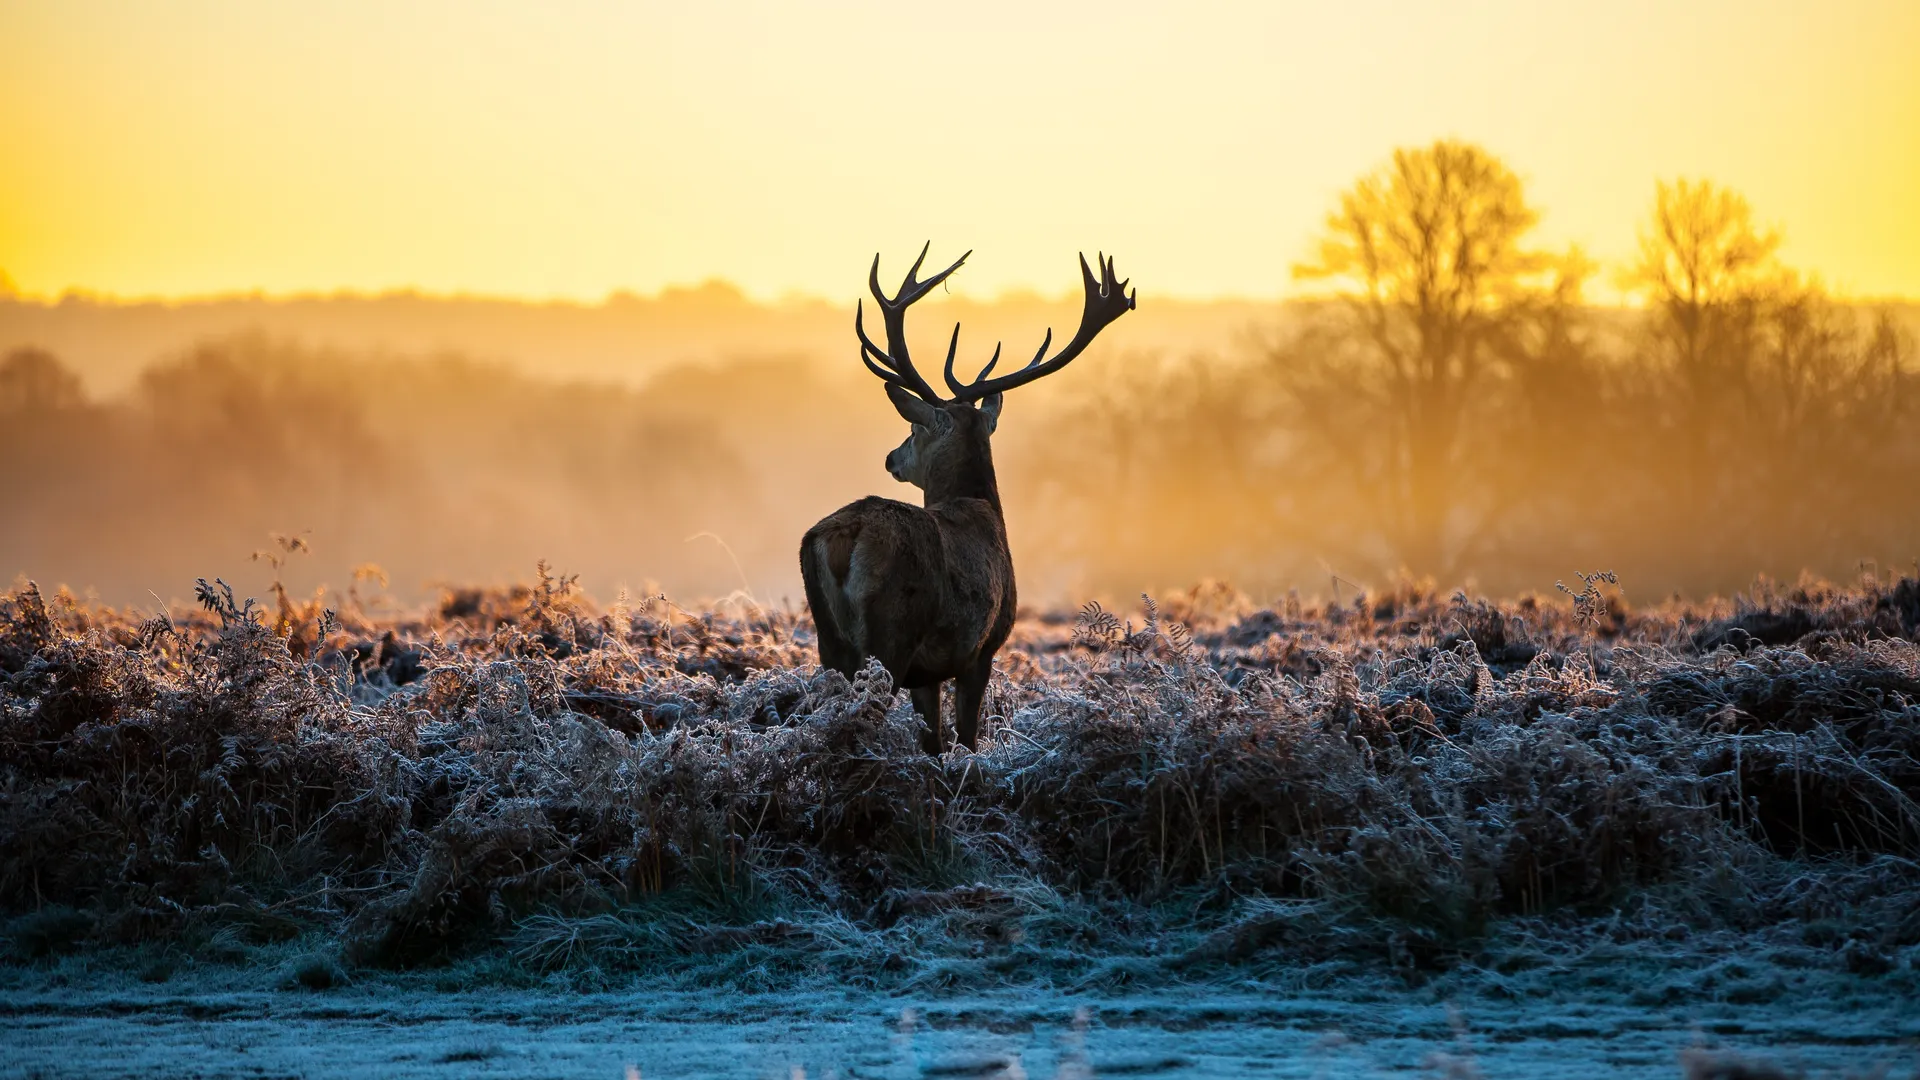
(571, 149)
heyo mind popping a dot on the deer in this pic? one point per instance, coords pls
(928, 590)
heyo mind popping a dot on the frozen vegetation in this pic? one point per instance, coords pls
(519, 834)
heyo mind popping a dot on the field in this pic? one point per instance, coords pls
(1703, 816)
(1459, 470)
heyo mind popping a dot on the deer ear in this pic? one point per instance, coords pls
(911, 408)
(990, 405)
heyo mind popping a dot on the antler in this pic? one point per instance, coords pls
(1107, 300)
(892, 363)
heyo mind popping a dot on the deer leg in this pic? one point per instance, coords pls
(837, 654)
(926, 702)
(968, 692)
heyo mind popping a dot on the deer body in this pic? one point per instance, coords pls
(929, 590)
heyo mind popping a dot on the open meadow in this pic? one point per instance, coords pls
(1676, 826)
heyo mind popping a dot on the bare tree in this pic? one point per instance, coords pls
(1782, 410)
(1428, 257)
(1709, 277)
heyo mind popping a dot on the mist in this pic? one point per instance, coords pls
(1447, 407)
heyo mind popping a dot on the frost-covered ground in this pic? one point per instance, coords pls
(519, 835)
(101, 1016)
(606, 1036)
(379, 1032)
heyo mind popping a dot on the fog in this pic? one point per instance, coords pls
(1449, 408)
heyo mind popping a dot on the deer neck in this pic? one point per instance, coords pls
(969, 476)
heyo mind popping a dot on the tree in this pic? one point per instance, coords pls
(46, 426)
(1782, 410)
(1700, 254)
(1711, 279)
(1428, 255)
(34, 382)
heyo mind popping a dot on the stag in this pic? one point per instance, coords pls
(928, 590)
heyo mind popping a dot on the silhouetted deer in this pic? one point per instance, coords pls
(929, 591)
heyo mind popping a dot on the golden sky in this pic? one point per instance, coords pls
(567, 149)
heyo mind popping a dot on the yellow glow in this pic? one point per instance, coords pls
(569, 149)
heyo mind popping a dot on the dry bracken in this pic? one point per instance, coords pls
(1393, 778)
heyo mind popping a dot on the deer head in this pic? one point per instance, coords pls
(950, 433)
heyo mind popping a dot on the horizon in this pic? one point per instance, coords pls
(716, 287)
(672, 292)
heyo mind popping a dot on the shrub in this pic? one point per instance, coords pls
(1426, 764)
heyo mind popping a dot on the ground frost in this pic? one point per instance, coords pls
(821, 1036)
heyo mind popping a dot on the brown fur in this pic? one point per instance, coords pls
(840, 551)
(927, 590)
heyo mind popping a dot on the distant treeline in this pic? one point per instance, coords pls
(1449, 407)
(1453, 409)
(625, 339)
(435, 470)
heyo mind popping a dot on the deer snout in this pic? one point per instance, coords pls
(896, 467)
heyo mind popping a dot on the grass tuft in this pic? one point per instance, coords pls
(525, 780)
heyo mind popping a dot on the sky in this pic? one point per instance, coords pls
(566, 149)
